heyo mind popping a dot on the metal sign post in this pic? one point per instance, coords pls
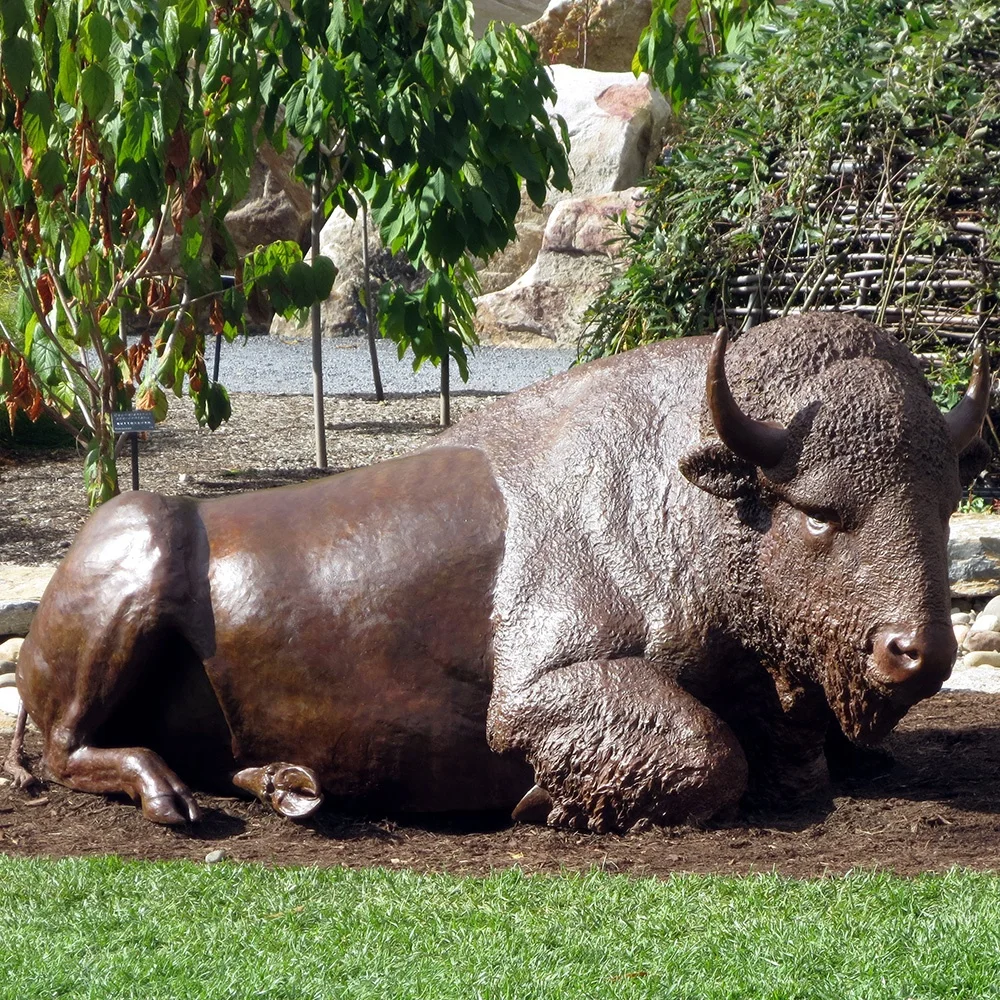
(131, 422)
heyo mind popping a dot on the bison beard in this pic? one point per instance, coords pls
(624, 595)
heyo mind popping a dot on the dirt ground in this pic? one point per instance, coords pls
(937, 806)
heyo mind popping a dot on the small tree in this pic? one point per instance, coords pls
(466, 125)
(400, 110)
(125, 127)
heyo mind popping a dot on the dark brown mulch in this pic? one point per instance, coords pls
(938, 806)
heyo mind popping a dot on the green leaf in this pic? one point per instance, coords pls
(100, 473)
(481, 204)
(136, 136)
(36, 121)
(6, 374)
(299, 282)
(97, 91)
(44, 359)
(80, 245)
(218, 408)
(17, 59)
(13, 15)
(172, 36)
(338, 24)
(50, 172)
(324, 275)
(523, 157)
(69, 74)
(67, 14)
(95, 37)
(215, 63)
(536, 191)
(192, 239)
(193, 18)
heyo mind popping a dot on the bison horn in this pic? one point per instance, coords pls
(965, 420)
(762, 442)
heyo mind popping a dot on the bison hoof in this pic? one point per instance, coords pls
(290, 790)
(534, 807)
(164, 808)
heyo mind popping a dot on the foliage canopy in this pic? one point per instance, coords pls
(847, 159)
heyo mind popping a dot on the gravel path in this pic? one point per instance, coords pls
(275, 367)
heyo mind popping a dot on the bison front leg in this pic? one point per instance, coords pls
(614, 744)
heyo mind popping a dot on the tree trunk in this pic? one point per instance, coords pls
(446, 376)
(370, 306)
(317, 341)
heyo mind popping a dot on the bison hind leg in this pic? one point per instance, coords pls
(118, 737)
(138, 772)
(291, 790)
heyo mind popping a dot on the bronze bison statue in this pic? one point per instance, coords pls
(619, 596)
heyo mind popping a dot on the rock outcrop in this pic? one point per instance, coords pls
(546, 305)
(593, 34)
(616, 125)
(974, 555)
(509, 11)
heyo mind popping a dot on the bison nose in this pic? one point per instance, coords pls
(919, 659)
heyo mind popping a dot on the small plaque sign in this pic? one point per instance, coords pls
(125, 421)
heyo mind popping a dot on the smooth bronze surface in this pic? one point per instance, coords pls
(580, 602)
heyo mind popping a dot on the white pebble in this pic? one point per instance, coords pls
(986, 623)
(993, 607)
(961, 631)
(982, 658)
(213, 857)
(961, 618)
(11, 649)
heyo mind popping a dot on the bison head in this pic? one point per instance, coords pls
(842, 487)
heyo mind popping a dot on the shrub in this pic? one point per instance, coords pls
(849, 159)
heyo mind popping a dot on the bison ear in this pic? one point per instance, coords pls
(715, 469)
(972, 461)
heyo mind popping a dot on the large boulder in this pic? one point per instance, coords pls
(546, 305)
(16, 617)
(616, 125)
(20, 590)
(277, 206)
(509, 11)
(596, 34)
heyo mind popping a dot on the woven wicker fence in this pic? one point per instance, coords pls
(916, 259)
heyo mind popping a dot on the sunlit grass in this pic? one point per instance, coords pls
(108, 928)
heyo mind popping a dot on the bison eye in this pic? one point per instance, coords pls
(821, 524)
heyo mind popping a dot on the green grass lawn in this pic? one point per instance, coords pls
(108, 928)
